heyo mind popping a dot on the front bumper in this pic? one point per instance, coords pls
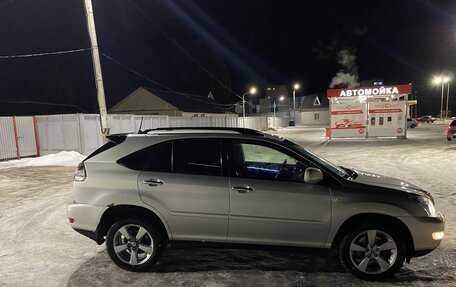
(421, 229)
(84, 218)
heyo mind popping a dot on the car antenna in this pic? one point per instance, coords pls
(140, 126)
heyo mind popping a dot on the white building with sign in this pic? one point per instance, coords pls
(379, 111)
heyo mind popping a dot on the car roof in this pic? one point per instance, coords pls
(202, 130)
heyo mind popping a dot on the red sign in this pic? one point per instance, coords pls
(385, 111)
(347, 112)
(370, 91)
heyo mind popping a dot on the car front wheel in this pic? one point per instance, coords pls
(134, 245)
(372, 252)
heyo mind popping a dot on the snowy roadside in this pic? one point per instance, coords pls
(63, 158)
(43, 250)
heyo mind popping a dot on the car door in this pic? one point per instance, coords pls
(193, 194)
(269, 201)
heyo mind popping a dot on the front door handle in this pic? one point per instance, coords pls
(153, 182)
(243, 188)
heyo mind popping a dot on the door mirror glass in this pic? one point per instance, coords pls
(313, 175)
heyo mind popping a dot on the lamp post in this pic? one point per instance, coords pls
(274, 108)
(252, 91)
(448, 95)
(440, 80)
(295, 87)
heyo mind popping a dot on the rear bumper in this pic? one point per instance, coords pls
(84, 218)
(422, 229)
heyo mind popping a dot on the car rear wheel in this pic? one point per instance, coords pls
(134, 245)
(449, 138)
(372, 252)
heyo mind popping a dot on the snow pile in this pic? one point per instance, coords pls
(63, 158)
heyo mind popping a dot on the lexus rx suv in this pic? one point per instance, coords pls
(141, 192)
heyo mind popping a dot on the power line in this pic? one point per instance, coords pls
(133, 71)
(174, 42)
(167, 89)
(43, 54)
(40, 103)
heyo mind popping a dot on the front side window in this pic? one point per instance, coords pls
(263, 162)
(197, 156)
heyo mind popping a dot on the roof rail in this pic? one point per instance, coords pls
(243, 131)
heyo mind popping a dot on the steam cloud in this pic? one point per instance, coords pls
(347, 77)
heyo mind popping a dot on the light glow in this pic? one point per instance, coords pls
(281, 98)
(253, 91)
(296, 86)
(438, 235)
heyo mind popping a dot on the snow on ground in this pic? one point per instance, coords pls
(63, 158)
(40, 249)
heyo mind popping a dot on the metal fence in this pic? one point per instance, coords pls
(31, 136)
(18, 137)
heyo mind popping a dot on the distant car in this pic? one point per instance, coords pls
(411, 123)
(451, 130)
(426, 119)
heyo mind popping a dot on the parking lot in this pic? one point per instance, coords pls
(40, 248)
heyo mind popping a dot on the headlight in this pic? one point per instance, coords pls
(428, 205)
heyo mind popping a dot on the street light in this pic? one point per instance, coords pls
(252, 91)
(447, 80)
(274, 108)
(442, 80)
(296, 86)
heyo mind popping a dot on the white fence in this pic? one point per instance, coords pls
(18, 137)
(31, 136)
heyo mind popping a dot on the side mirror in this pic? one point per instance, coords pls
(313, 175)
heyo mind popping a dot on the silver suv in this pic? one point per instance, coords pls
(140, 192)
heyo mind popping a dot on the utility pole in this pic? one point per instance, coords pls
(96, 67)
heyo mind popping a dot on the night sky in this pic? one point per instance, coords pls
(240, 43)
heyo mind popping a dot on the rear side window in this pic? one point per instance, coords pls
(197, 156)
(101, 149)
(154, 158)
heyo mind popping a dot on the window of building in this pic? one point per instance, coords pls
(316, 117)
(197, 156)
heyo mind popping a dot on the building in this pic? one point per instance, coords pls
(314, 109)
(145, 101)
(276, 91)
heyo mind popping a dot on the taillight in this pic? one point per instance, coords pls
(80, 173)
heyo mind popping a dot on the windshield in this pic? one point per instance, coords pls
(318, 160)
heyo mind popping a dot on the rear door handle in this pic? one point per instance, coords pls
(153, 182)
(243, 188)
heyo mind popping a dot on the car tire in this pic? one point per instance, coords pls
(134, 245)
(449, 139)
(372, 252)
(413, 126)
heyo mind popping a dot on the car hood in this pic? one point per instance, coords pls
(370, 178)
